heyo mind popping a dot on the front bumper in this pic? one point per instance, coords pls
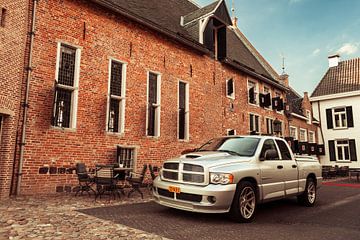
(222, 194)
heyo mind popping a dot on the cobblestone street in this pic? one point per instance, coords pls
(55, 217)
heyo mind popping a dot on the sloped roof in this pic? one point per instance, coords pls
(200, 12)
(340, 79)
(295, 102)
(164, 16)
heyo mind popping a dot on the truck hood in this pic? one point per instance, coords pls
(210, 159)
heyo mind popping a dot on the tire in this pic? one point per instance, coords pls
(244, 204)
(308, 197)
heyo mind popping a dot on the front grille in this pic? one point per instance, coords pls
(172, 166)
(193, 168)
(189, 177)
(171, 175)
(165, 193)
(189, 197)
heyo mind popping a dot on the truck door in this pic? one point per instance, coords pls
(291, 172)
(272, 177)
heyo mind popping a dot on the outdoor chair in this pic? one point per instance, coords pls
(85, 180)
(136, 180)
(106, 182)
(344, 171)
(153, 176)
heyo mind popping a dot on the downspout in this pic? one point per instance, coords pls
(25, 105)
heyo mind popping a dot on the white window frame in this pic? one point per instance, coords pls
(339, 113)
(264, 92)
(256, 92)
(187, 112)
(305, 135)
(158, 105)
(230, 129)
(271, 120)
(312, 133)
(122, 98)
(259, 122)
(232, 96)
(308, 116)
(296, 132)
(343, 150)
(75, 88)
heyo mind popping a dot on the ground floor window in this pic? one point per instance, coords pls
(254, 124)
(269, 126)
(126, 157)
(293, 132)
(342, 150)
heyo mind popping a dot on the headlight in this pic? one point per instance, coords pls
(221, 178)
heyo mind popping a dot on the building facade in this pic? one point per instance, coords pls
(335, 104)
(111, 81)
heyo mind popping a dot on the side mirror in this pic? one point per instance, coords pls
(271, 154)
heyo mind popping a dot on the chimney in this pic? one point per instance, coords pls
(334, 60)
(306, 95)
(284, 79)
(235, 22)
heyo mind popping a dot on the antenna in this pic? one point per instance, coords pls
(283, 63)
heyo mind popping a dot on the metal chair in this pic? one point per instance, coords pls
(106, 181)
(136, 181)
(85, 180)
(153, 176)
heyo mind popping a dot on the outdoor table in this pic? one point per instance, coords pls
(356, 171)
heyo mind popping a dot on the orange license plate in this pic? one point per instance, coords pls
(174, 189)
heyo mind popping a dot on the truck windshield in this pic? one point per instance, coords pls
(243, 146)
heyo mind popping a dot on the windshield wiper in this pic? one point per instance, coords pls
(230, 152)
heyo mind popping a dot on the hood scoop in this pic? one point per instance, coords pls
(192, 156)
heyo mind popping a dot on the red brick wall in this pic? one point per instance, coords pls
(107, 36)
(13, 37)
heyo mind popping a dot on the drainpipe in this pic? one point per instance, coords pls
(25, 105)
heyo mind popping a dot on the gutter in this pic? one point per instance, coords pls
(254, 74)
(176, 36)
(25, 104)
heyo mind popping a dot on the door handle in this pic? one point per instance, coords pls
(280, 167)
(294, 166)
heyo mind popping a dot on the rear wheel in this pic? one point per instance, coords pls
(308, 197)
(244, 204)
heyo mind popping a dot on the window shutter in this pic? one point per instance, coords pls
(262, 99)
(329, 119)
(275, 103)
(252, 95)
(332, 150)
(280, 106)
(267, 100)
(349, 116)
(352, 150)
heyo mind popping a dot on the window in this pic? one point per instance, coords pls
(253, 92)
(126, 157)
(311, 137)
(278, 102)
(269, 126)
(230, 132)
(308, 116)
(254, 124)
(293, 132)
(183, 120)
(269, 144)
(3, 17)
(116, 97)
(342, 150)
(66, 86)
(303, 135)
(230, 88)
(284, 150)
(340, 118)
(153, 105)
(278, 127)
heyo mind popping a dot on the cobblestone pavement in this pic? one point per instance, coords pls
(55, 217)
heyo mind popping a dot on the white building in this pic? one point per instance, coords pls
(336, 103)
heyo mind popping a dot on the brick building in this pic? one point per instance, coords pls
(131, 79)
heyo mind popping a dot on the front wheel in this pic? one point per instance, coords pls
(244, 204)
(308, 197)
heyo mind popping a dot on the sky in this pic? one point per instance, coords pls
(305, 32)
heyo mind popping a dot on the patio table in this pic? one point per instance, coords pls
(355, 172)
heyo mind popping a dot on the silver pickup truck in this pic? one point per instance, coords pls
(234, 174)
